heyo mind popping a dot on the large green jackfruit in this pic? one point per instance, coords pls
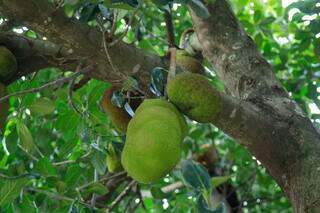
(153, 144)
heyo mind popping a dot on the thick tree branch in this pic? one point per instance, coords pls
(234, 54)
(272, 127)
(82, 40)
(35, 54)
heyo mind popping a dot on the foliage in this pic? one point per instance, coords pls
(54, 153)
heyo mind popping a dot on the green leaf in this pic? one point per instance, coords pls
(158, 80)
(99, 162)
(118, 99)
(67, 147)
(97, 188)
(25, 205)
(89, 12)
(267, 20)
(72, 175)
(304, 44)
(26, 139)
(204, 208)
(195, 175)
(217, 181)
(42, 106)
(45, 167)
(10, 189)
(157, 193)
(257, 16)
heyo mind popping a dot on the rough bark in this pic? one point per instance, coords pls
(259, 114)
(82, 41)
(35, 54)
(274, 129)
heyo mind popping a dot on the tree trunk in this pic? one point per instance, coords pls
(274, 129)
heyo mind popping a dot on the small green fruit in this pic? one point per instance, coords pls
(194, 95)
(113, 160)
(4, 107)
(153, 143)
(8, 63)
(188, 62)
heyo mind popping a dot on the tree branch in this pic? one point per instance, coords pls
(35, 54)
(45, 19)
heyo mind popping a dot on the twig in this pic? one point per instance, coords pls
(101, 180)
(127, 206)
(173, 64)
(64, 162)
(70, 161)
(70, 100)
(126, 30)
(170, 27)
(136, 206)
(172, 187)
(95, 178)
(29, 154)
(81, 83)
(57, 196)
(153, 36)
(140, 197)
(121, 196)
(27, 175)
(114, 24)
(111, 185)
(105, 47)
(38, 151)
(38, 89)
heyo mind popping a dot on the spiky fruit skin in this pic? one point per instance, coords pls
(163, 103)
(194, 96)
(113, 160)
(153, 143)
(8, 63)
(4, 107)
(188, 62)
(118, 116)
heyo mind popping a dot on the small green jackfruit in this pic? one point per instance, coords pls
(113, 160)
(118, 116)
(188, 62)
(153, 143)
(4, 107)
(8, 63)
(195, 96)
